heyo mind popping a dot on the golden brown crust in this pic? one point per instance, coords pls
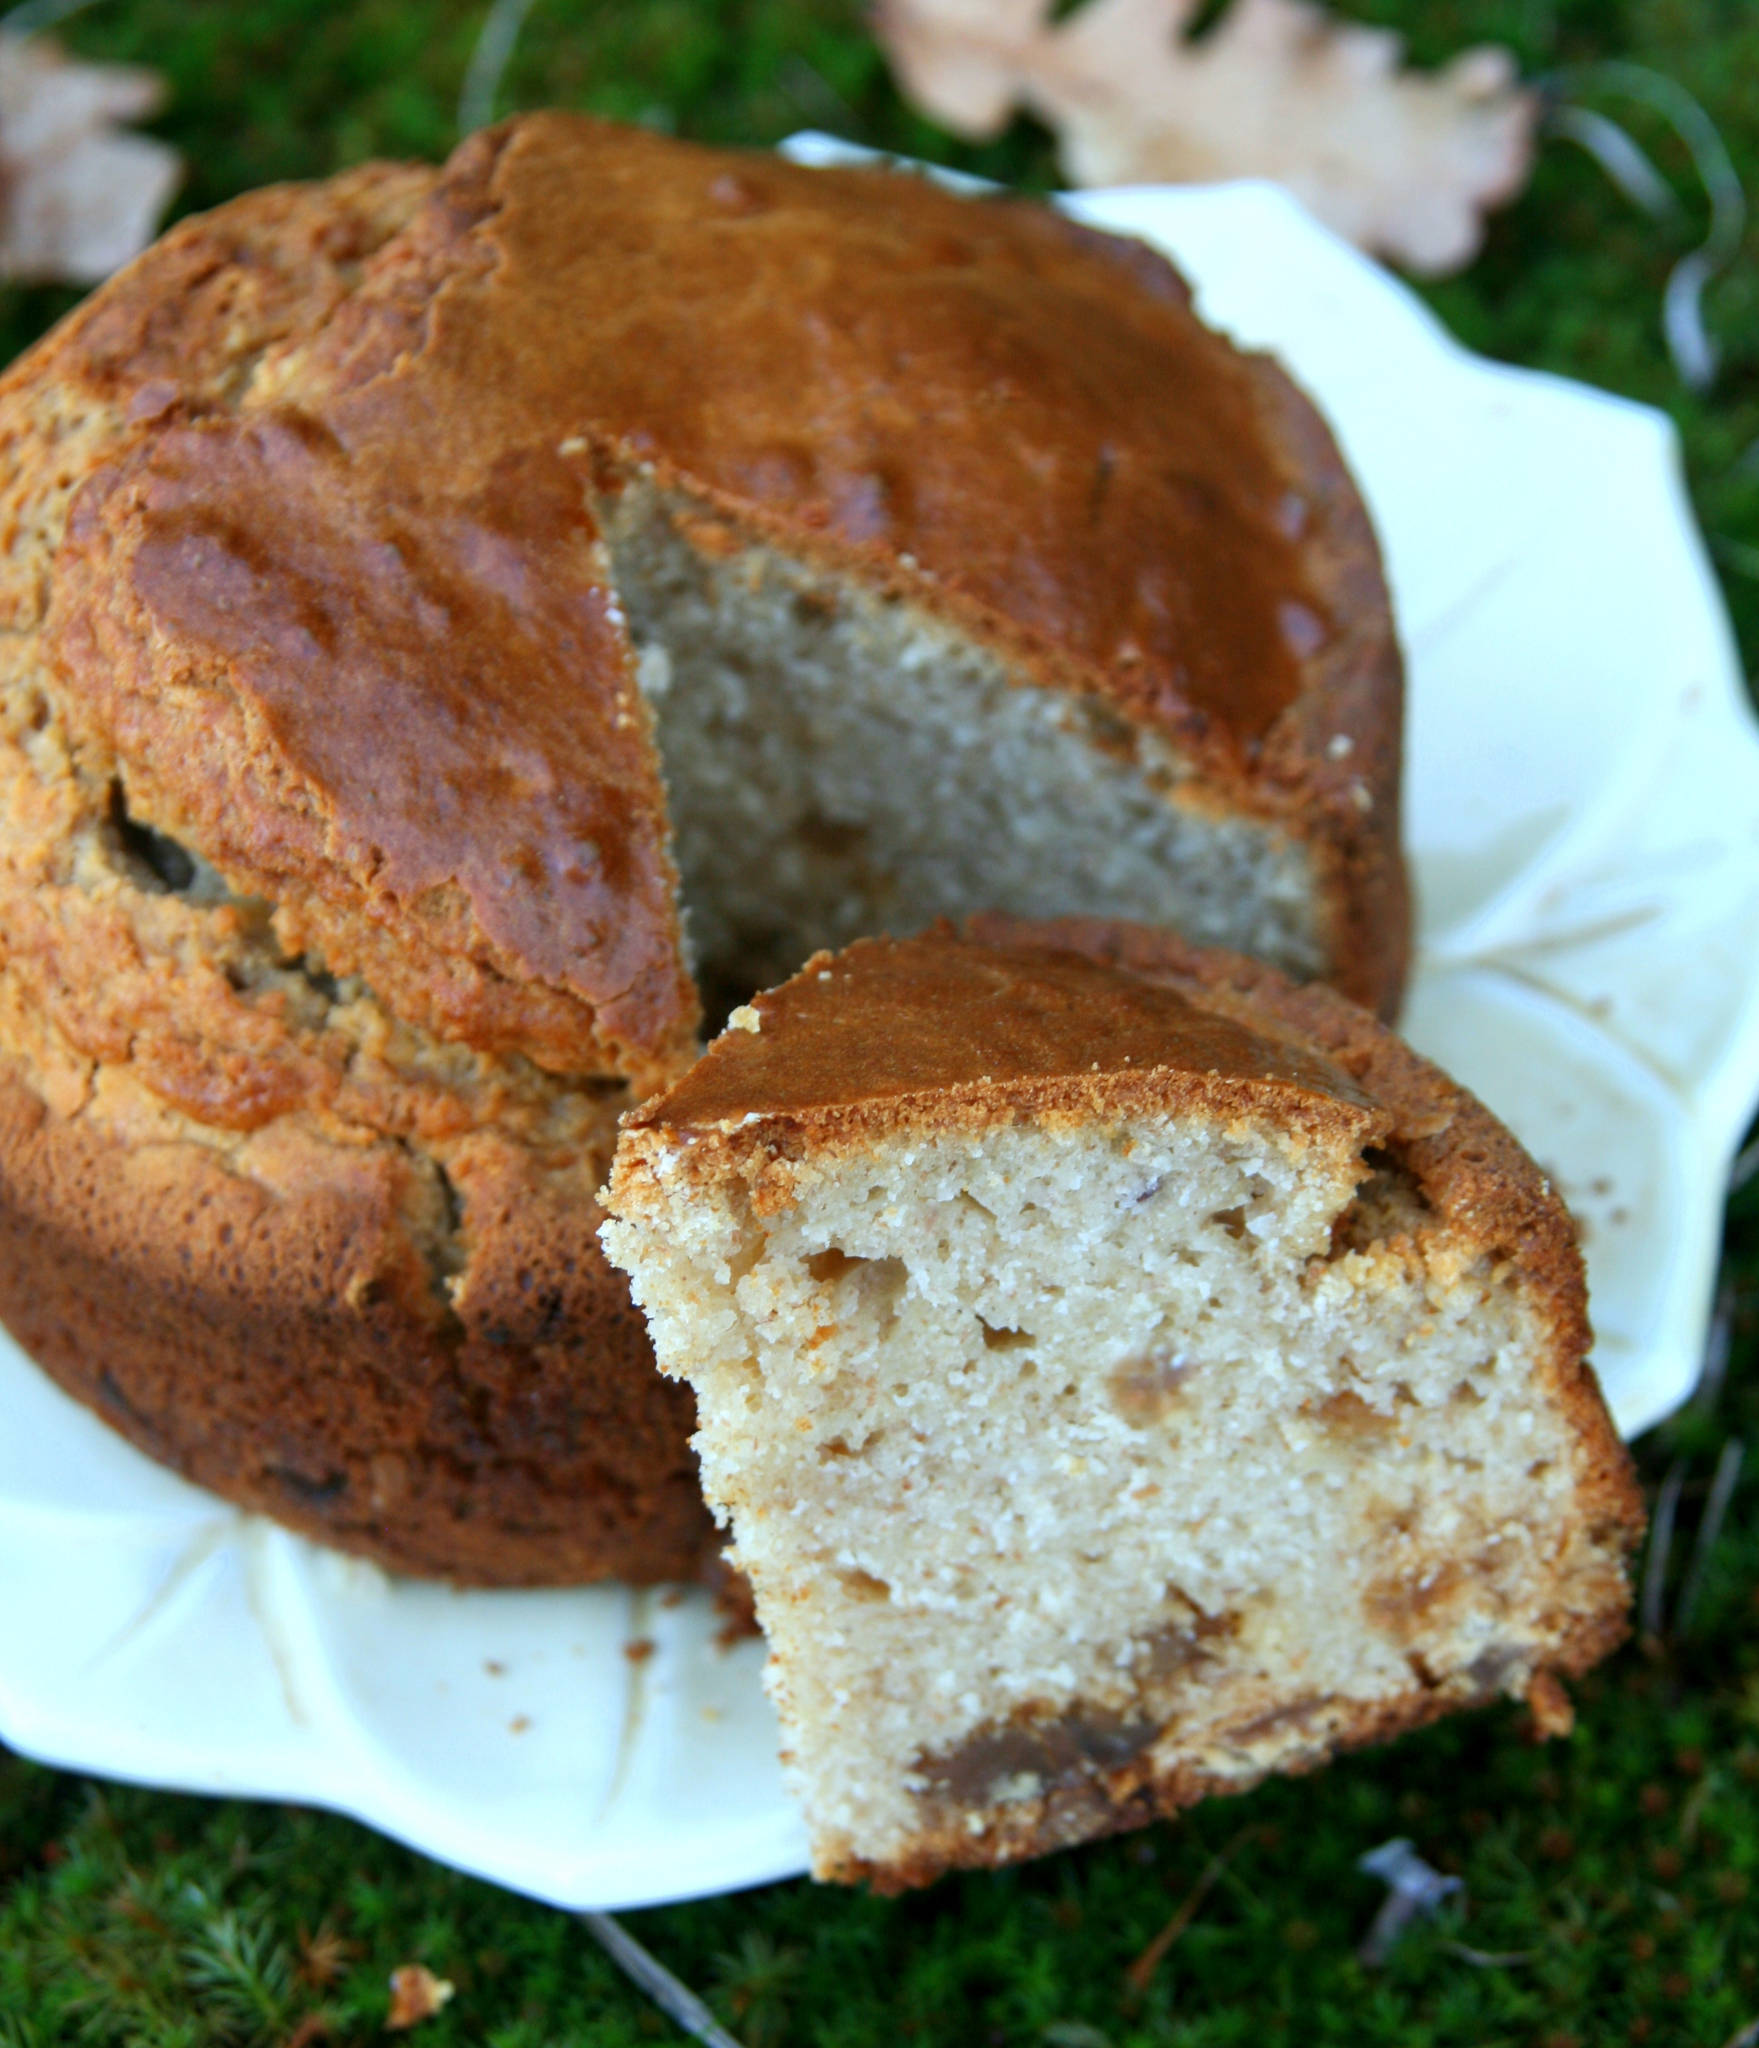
(186, 326)
(441, 773)
(1205, 568)
(888, 1022)
(271, 1324)
(892, 368)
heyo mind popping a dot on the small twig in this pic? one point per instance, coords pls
(1654, 1593)
(1413, 1888)
(488, 63)
(1490, 1959)
(1722, 1491)
(1695, 354)
(675, 2000)
(1693, 1811)
(1140, 1974)
(1618, 155)
(1718, 1344)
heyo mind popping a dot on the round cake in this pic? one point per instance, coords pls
(454, 617)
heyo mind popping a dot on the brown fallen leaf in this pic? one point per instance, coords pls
(416, 1995)
(1404, 163)
(78, 197)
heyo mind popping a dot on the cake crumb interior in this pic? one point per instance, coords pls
(1056, 1454)
(841, 764)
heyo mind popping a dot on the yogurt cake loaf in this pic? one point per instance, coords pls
(1124, 1375)
(412, 584)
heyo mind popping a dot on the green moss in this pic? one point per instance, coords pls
(1620, 1870)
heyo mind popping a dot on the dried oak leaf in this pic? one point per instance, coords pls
(78, 197)
(416, 1995)
(1402, 162)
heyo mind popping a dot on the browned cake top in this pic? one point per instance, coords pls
(341, 609)
(893, 1018)
(341, 687)
(1028, 411)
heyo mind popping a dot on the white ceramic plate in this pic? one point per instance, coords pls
(1584, 819)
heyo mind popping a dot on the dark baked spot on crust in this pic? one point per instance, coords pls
(309, 1492)
(158, 860)
(117, 1404)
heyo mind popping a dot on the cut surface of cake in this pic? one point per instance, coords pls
(432, 593)
(1124, 1375)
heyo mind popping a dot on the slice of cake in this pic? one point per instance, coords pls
(1124, 1375)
